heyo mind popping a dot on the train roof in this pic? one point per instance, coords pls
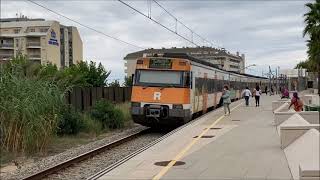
(186, 56)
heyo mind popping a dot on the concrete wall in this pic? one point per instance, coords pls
(77, 47)
(311, 116)
(52, 52)
(130, 66)
(303, 156)
(66, 48)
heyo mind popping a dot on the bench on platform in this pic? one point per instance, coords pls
(311, 116)
(278, 103)
(293, 128)
(289, 133)
(303, 156)
(295, 119)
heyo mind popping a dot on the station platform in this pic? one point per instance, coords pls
(244, 145)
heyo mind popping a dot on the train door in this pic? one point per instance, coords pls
(205, 93)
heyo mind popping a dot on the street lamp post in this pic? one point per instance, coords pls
(247, 67)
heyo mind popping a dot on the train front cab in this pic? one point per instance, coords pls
(161, 92)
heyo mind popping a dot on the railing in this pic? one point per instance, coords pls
(6, 56)
(9, 45)
(33, 43)
(34, 56)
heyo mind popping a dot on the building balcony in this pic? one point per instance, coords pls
(6, 56)
(6, 46)
(34, 56)
(33, 45)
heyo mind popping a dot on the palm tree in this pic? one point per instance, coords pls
(312, 30)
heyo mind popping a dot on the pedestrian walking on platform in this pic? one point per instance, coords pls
(285, 93)
(246, 94)
(266, 90)
(257, 93)
(271, 92)
(226, 99)
(296, 102)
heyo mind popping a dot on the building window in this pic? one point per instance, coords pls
(17, 42)
(44, 29)
(32, 30)
(16, 31)
(219, 58)
(234, 60)
(235, 67)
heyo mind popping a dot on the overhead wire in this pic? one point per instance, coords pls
(177, 20)
(86, 26)
(157, 22)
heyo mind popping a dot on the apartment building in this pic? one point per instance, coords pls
(220, 57)
(40, 40)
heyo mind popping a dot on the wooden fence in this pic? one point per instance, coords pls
(84, 98)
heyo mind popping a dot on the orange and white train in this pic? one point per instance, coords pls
(170, 89)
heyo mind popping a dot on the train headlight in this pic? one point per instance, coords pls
(177, 106)
(135, 104)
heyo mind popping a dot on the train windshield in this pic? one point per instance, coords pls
(162, 78)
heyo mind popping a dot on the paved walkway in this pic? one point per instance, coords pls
(247, 147)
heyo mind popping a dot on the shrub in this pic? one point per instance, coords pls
(116, 119)
(107, 114)
(125, 108)
(70, 121)
(91, 125)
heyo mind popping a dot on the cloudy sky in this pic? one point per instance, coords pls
(267, 32)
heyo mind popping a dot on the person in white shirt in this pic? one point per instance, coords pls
(257, 93)
(246, 94)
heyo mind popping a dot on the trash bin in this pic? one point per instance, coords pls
(312, 107)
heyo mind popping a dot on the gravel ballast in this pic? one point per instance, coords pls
(32, 168)
(89, 167)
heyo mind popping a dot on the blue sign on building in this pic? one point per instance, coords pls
(53, 38)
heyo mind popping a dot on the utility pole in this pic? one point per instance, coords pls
(278, 80)
(270, 80)
(276, 90)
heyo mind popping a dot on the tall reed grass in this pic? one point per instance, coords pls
(125, 109)
(29, 111)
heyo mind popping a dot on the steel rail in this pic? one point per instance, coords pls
(84, 156)
(126, 158)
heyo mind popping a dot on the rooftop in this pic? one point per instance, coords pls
(14, 24)
(188, 50)
(20, 19)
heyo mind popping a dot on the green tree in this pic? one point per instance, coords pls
(115, 83)
(127, 81)
(312, 30)
(304, 65)
(84, 74)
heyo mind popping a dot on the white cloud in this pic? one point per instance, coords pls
(266, 31)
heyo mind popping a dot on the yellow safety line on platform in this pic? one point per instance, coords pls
(182, 153)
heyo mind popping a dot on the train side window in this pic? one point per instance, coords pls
(132, 79)
(191, 80)
(214, 85)
(198, 83)
(137, 75)
(187, 80)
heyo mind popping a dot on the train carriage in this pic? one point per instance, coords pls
(169, 90)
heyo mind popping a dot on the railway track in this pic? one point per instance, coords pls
(86, 164)
(93, 164)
